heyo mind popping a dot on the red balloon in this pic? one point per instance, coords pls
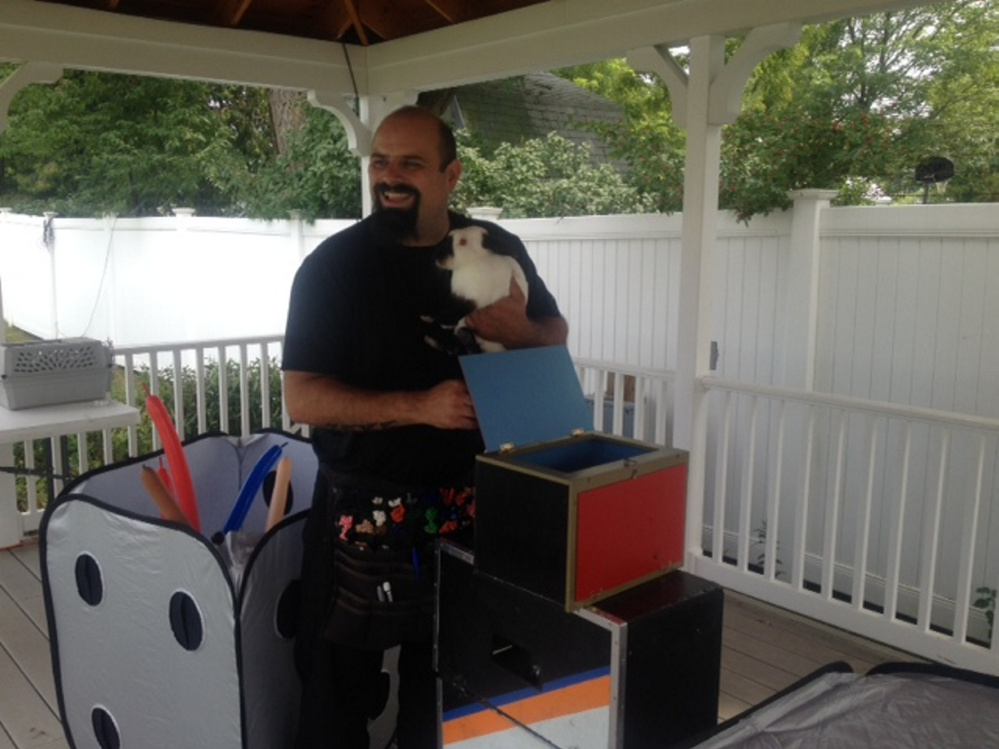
(180, 473)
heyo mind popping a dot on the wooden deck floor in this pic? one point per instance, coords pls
(764, 650)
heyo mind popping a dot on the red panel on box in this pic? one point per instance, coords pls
(629, 529)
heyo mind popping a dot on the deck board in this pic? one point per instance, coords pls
(28, 711)
(764, 650)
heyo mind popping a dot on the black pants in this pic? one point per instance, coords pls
(341, 685)
(342, 689)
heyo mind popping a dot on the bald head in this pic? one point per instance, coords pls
(447, 146)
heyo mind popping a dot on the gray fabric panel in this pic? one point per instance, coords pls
(884, 711)
(270, 683)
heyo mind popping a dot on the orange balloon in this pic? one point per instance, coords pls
(164, 502)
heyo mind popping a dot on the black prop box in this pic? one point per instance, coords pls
(162, 637)
(568, 625)
(638, 670)
(560, 510)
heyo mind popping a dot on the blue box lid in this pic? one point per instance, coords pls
(526, 396)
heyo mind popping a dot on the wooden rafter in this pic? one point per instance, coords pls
(393, 20)
(229, 12)
(355, 20)
(333, 21)
(367, 22)
(240, 10)
(453, 11)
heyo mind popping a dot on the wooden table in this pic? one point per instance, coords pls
(46, 422)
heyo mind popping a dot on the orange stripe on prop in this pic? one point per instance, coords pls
(576, 698)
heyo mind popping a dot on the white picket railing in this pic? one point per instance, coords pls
(805, 500)
(66, 459)
(809, 501)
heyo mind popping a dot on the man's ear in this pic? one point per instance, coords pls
(452, 173)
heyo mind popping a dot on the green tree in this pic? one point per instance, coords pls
(96, 143)
(317, 176)
(650, 142)
(963, 103)
(860, 102)
(855, 106)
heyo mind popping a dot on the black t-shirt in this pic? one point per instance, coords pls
(356, 312)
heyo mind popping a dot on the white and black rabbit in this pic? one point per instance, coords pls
(480, 275)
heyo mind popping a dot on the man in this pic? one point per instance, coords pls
(395, 433)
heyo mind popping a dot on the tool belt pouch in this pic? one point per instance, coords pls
(379, 599)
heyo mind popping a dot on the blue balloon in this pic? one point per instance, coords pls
(250, 488)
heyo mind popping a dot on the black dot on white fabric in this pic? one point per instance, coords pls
(186, 621)
(89, 583)
(286, 617)
(105, 729)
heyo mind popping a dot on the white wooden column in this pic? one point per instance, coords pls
(697, 262)
(712, 97)
(700, 232)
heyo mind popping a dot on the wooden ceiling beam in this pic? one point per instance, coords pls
(355, 20)
(559, 33)
(538, 37)
(230, 12)
(334, 20)
(80, 39)
(240, 11)
(452, 11)
(394, 20)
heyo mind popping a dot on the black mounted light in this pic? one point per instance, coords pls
(933, 169)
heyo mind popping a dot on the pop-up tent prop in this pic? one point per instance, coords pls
(162, 636)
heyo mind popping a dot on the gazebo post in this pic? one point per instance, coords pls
(707, 97)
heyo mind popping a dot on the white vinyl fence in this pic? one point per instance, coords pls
(845, 463)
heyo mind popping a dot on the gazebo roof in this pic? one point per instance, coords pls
(412, 45)
(349, 21)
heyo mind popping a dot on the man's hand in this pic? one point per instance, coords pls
(448, 406)
(505, 321)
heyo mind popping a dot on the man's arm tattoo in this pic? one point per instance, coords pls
(362, 427)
